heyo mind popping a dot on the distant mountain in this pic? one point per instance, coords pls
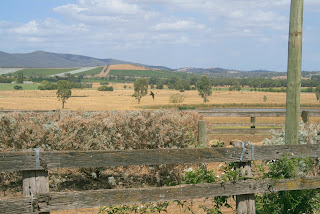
(42, 59)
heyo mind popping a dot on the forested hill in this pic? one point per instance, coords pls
(233, 73)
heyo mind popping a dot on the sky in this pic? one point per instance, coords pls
(233, 34)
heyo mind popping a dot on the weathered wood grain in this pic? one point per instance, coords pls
(100, 198)
(229, 113)
(245, 204)
(243, 131)
(294, 72)
(271, 125)
(36, 181)
(17, 205)
(15, 161)
(222, 113)
(202, 132)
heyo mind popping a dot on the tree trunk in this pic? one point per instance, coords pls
(63, 104)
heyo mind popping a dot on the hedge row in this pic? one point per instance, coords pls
(98, 130)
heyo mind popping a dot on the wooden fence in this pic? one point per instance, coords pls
(35, 166)
(253, 128)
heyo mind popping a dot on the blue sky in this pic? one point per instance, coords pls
(234, 34)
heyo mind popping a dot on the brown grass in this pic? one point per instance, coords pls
(121, 99)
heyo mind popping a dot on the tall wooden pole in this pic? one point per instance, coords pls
(294, 72)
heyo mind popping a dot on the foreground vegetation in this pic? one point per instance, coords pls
(149, 130)
(99, 130)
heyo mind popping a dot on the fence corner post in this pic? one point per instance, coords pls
(35, 182)
(202, 133)
(253, 121)
(305, 116)
(245, 203)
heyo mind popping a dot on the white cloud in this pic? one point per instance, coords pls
(101, 11)
(180, 25)
(235, 13)
(48, 26)
(29, 28)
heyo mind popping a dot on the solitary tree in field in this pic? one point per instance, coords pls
(140, 88)
(204, 88)
(64, 91)
(20, 77)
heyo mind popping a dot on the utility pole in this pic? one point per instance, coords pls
(294, 72)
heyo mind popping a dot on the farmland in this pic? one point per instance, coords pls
(121, 99)
(10, 87)
(151, 73)
(43, 71)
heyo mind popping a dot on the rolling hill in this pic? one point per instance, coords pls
(42, 59)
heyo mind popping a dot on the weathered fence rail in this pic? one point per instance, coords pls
(49, 201)
(252, 114)
(55, 201)
(15, 161)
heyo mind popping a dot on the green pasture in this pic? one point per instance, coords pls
(9, 86)
(43, 71)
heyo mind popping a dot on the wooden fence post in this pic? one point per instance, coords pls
(35, 182)
(245, 203)
(294, 72)
(253, 121)
(202, 133)
(305, 116)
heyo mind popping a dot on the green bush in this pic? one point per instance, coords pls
(296, 201)
(17, 87)
(104, 83)
(105, 88)
(46, 85)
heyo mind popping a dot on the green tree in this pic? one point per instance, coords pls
(154, 80)
(20, 77)
(235, 85)
(46, 85)
(64, 91)
(140, 88)
(318, 92)
(204, 88)
(159, 85)
(17, 87)
(265, 98)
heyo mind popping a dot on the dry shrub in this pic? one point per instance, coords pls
(176, 98)
(98, 130)
(112, 130)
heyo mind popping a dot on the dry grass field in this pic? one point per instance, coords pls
(121, 99)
